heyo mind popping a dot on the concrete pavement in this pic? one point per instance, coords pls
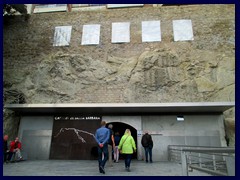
(90, 168)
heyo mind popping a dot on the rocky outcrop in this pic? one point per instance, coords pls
(159, 75)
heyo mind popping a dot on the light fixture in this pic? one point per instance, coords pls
(180, 118)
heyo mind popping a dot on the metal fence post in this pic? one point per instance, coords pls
(230, 162)
(214, 163)
(200, 160)
(184, 164)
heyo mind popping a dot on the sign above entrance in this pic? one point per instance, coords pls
(77, 118)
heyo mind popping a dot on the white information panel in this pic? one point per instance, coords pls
(91, 34)
(62, 35)
(121, 32)
(123, 5)
(151, 31)
(182, 30)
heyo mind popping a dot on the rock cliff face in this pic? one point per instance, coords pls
(167, 71)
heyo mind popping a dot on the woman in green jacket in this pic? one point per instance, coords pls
(127, 145)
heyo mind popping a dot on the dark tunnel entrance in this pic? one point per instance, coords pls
(121, 127)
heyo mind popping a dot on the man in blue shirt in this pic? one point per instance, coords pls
(102, 136)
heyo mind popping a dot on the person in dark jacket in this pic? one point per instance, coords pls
(5, 148)
(111, 145)
(147, 143)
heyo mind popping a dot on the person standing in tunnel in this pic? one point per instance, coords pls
(116, 151)
(147, 143)
(111, 145)
(102, 136)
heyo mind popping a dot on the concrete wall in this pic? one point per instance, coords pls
(195, 130)
(35, 133)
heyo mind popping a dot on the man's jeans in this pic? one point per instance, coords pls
(148, 150)
(104, 151)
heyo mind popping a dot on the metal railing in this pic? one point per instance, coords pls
(213, 160)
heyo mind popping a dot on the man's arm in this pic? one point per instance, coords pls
(113, 141)
(96, 137)
(107, 137)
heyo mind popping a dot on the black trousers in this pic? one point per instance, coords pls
(6, 156)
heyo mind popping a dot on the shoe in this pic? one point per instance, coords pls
(128, 169)
(114, 161)
(146, 161)
(102, 169)
(151, 161)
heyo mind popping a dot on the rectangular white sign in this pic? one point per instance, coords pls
(123, 5)
(91, 34)
(151, 31)
(182, 30)
(120, 32)
(62, 36)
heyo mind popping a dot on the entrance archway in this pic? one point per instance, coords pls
(121, 127)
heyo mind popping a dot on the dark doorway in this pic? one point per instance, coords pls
(121, 127)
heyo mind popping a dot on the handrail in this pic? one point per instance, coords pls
(207, 170)
(212, 160)
(211, 149)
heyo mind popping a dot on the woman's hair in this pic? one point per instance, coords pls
(127, 131)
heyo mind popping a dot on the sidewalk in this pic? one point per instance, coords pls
(90, 168)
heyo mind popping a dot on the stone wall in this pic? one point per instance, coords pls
(135, 72)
